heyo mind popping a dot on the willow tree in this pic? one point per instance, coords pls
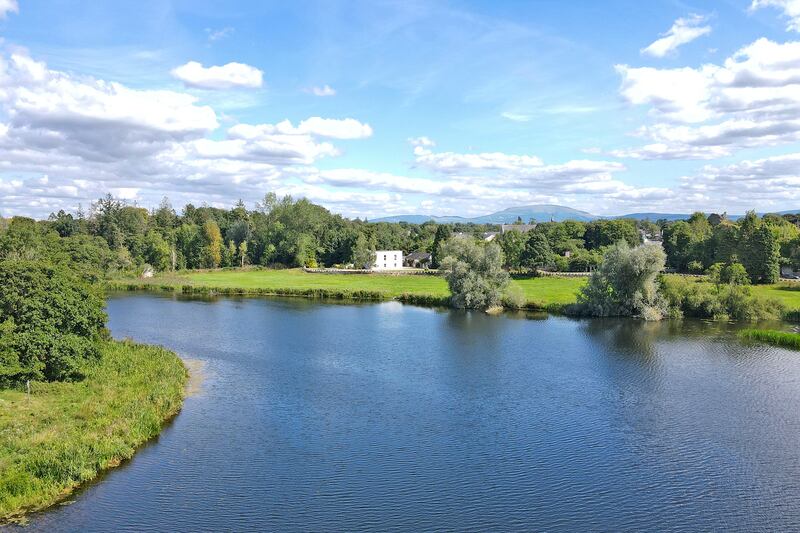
(474, 273)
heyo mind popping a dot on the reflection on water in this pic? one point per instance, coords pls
(314, 416)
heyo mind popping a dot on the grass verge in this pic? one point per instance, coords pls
(775, 338)
(64, 434)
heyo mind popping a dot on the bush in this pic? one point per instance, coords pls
(50, 322)
(474, 273)
(690, 298)
(514, 297)
(625, 284)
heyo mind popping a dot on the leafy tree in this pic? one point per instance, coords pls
(64, 223)
(157, 252)
(600, 233)
(363, 253)
(513, 245)
(211, 253)
(625, 284)
(474, 273)
(759, 250)
(443, 233)
(242, 253)
(538, 253)
(50, 320)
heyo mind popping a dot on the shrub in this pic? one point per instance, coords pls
(690, 298)
(474, 273)
(514, 297)
(50, 320)
(625, 284)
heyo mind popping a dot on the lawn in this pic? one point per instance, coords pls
(63, 434)
(541, 292)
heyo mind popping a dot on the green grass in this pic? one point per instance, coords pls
(775, 338)
(64, 434)
(541, 293)
(787, 293)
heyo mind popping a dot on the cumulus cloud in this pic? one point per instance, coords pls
(684, 30)
(228, 76)
(89, 137)
(325, 90)
(8, 6)
(772, 182)
(790, 8)
(751, 100)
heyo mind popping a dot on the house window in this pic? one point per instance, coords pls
(384, 258)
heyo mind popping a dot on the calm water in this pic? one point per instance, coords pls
(388, 417)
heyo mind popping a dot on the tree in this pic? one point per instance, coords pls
(759, 251)
(625, 284)
(211, 253)
(474, 273)
(363, 252)
(242, 253)
(441, 236)
(157, 252)
(538, 253)
(513, 245)
(600, 233)
(52, 319)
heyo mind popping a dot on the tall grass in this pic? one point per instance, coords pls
(64, 434)
(775, 338)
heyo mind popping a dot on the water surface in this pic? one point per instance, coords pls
(388, 417)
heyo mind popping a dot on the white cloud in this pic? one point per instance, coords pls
(765, 184)
(229, 76)
(790, 8)
(8, 6)
(348, 128)
(683, 31)
(751, 100)
(325, 90)
(515, 117)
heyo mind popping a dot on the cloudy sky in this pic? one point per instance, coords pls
(380, 108)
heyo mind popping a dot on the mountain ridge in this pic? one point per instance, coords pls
(543, 213)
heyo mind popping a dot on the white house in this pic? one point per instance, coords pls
(388, 260)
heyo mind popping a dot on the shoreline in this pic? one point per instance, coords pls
(54, 459)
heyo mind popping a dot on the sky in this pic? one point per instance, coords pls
(401, 107)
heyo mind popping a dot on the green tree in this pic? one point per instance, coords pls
(443, 233)
(625, 284)
(513, 245)
(363, 252)
(474, 273)
(157, 252)
(538, 253)
(53, 319)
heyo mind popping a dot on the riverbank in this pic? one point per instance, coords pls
(64, 434)
(774, 338)
(541, 293)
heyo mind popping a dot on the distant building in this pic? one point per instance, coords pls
(417, 260)
(388, 260)
(489, 236)
(522, 228)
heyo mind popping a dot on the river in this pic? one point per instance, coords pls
(313, 416)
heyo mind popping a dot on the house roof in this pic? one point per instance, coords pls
(414, 256)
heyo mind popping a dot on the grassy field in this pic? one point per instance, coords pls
(540, 292)
(543, 293)
(64, 434)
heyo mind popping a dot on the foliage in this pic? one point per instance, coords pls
(443, 233)
(50, 319)
(64, 434)
(723, 301)
(363, 253)
(625, 284)
(775, 338)
(601, 233)
(537, 253)
(474, 273)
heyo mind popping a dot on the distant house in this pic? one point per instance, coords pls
(388, 260)
(788, 273)
(522, 228)
(489, 236)
(417, 260)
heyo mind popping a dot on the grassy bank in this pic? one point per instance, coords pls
(547, 293)
(775, 338)
(64, 434)
(540, 293)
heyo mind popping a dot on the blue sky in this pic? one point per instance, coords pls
(380, 108)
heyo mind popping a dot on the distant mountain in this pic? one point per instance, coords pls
(654, 216)
(543, 213)
(540, 213)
